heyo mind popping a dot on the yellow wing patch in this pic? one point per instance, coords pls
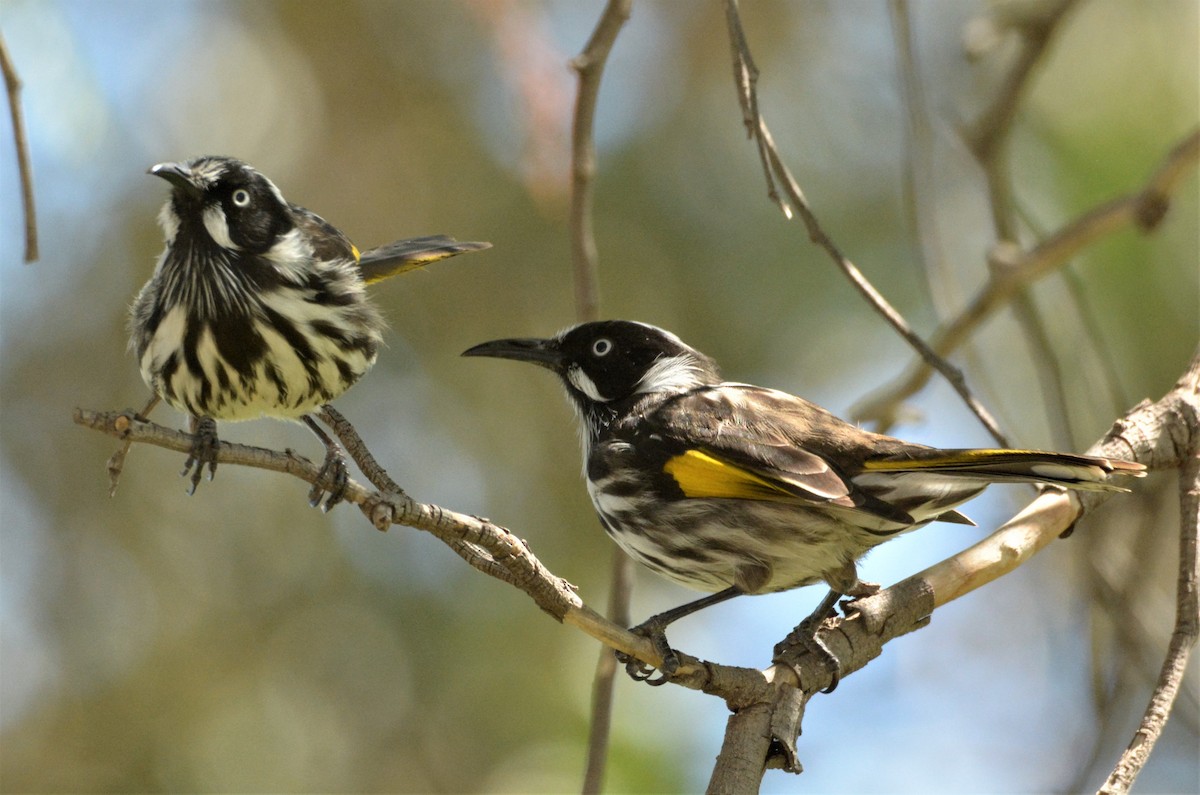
(701, 475)
(354, 251)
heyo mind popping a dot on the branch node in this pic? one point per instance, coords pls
(381, 512)
(122, 423)
(1151, 208)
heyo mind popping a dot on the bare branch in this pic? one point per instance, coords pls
(1160, 435)
(991, 128)
(1013, 269)
(1155, 434)
(1187, 616)
(589, 65)
(779, 173)
(13, 84)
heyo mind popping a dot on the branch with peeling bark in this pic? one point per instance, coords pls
(768, 704)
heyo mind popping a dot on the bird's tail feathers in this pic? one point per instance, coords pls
(406, 255)
(1086, 473)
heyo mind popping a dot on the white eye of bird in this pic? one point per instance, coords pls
(602, 346)
(241, 197)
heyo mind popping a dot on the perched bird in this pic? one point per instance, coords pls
(737, 489)
(257, 307)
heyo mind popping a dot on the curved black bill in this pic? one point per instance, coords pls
(543, 352)
(177, 174)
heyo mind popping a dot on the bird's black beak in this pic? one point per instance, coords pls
(178, 175)
(543, 352)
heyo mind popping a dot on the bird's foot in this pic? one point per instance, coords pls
(655, 632)
(204, 451)
(331, 480)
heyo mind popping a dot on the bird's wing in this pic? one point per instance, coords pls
(406, 255)
(744, 442)
(329, 243)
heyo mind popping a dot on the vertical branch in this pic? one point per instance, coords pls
(919, 183)
(589, 65)
(13, 84)
(1183, 638)
(988, 140)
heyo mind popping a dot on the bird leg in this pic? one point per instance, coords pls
(806, 634)
(333, 470)
(654, 629)
(204, 450)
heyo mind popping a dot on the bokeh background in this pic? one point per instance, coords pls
(237, 640)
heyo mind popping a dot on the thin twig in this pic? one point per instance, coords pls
(991, 128)
(1046, 363)
(1143, 209)
(782, 175)
(589, 65)
(745, 77)
(1187, 620)
(13, 83)
(919, 184)
(988, 141)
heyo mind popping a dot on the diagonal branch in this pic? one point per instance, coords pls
(1013, 269)
(1161, 435)
(1156, 434)
(778, 174)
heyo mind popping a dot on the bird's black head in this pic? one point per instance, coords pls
(611, 361)
(225, 201)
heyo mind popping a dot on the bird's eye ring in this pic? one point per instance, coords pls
(241, 197)
(602, 346)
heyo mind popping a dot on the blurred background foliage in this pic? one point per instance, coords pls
(239, 641)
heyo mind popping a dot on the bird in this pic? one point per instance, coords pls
(257, 307)
(730, 489)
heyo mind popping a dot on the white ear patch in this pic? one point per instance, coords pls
(218, 228)
(671, 374)
(580, 381)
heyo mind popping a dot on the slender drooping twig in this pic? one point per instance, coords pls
(780, 176)
(589, 66)
(13, 84)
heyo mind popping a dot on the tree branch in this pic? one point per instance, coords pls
(778, 174)
(1013, 269)
(1154, 434)
(1161, 435)
(13, 84)
(1187, 607)
(589, 65)
(1036, 27)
